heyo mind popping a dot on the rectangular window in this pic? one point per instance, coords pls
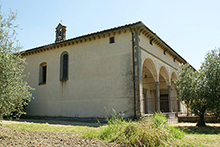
(112, 40)
(65, 67)
(44, 74)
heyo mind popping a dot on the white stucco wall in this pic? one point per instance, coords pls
(100, 79)
(157, 52)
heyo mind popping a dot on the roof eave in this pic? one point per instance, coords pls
(138, 25)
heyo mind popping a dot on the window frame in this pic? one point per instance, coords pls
(43, 73)
(111, 39)
(64, 67)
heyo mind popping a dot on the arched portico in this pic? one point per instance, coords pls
(149, 76)
(174, 101)
(164, 89)
(159, 92)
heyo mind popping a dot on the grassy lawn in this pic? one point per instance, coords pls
(199, 136)
(193, 136)
(48, 127)
(199, 140)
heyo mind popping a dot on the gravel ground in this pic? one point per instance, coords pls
(9, 137)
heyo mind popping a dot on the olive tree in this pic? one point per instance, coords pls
(200, 90)
(14, 90)
(211, 73)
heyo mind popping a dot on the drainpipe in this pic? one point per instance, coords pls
(133, 57)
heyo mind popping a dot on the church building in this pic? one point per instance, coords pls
(128, 69)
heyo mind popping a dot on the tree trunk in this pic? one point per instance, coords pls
(201, 121)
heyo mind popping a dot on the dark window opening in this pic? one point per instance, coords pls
(44, 74)
(112, 40)
(174, 59)
(164, 52)
(64, 65)
(151, 41)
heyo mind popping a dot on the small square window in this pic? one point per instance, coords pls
(112, 40)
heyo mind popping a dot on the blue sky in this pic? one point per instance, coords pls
(190, 27)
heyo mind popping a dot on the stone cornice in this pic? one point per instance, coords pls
(107, 33)
(77, 40)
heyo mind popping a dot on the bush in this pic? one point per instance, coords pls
(158, 120)
(154, 131)
(16, 113)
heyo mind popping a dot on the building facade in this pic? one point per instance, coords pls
(127, 68)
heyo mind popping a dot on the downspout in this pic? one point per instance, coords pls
(133, 57)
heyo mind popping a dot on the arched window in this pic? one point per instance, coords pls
(43, 73)
(64, 62)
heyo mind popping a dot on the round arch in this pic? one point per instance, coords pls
(150, 66)
(149, 76)
(164, 73)
(173, 76)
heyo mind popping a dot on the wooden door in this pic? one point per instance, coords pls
(164, 103)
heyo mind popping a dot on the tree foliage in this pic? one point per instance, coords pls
(211, 72)
(200, 90)
(14, 91)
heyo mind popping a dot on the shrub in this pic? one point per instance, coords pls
(154, 131)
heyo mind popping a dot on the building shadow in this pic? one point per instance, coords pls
(90, 122)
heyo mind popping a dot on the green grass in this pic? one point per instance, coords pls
(200, 140)
(199, 136)
(153, 132)
(149, 132)
(37, 127)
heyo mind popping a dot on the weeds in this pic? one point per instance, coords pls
(154, 131)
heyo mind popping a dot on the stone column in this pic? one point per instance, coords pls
(169, 99)
(142, 101)
(157, 97)
(137, 72)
